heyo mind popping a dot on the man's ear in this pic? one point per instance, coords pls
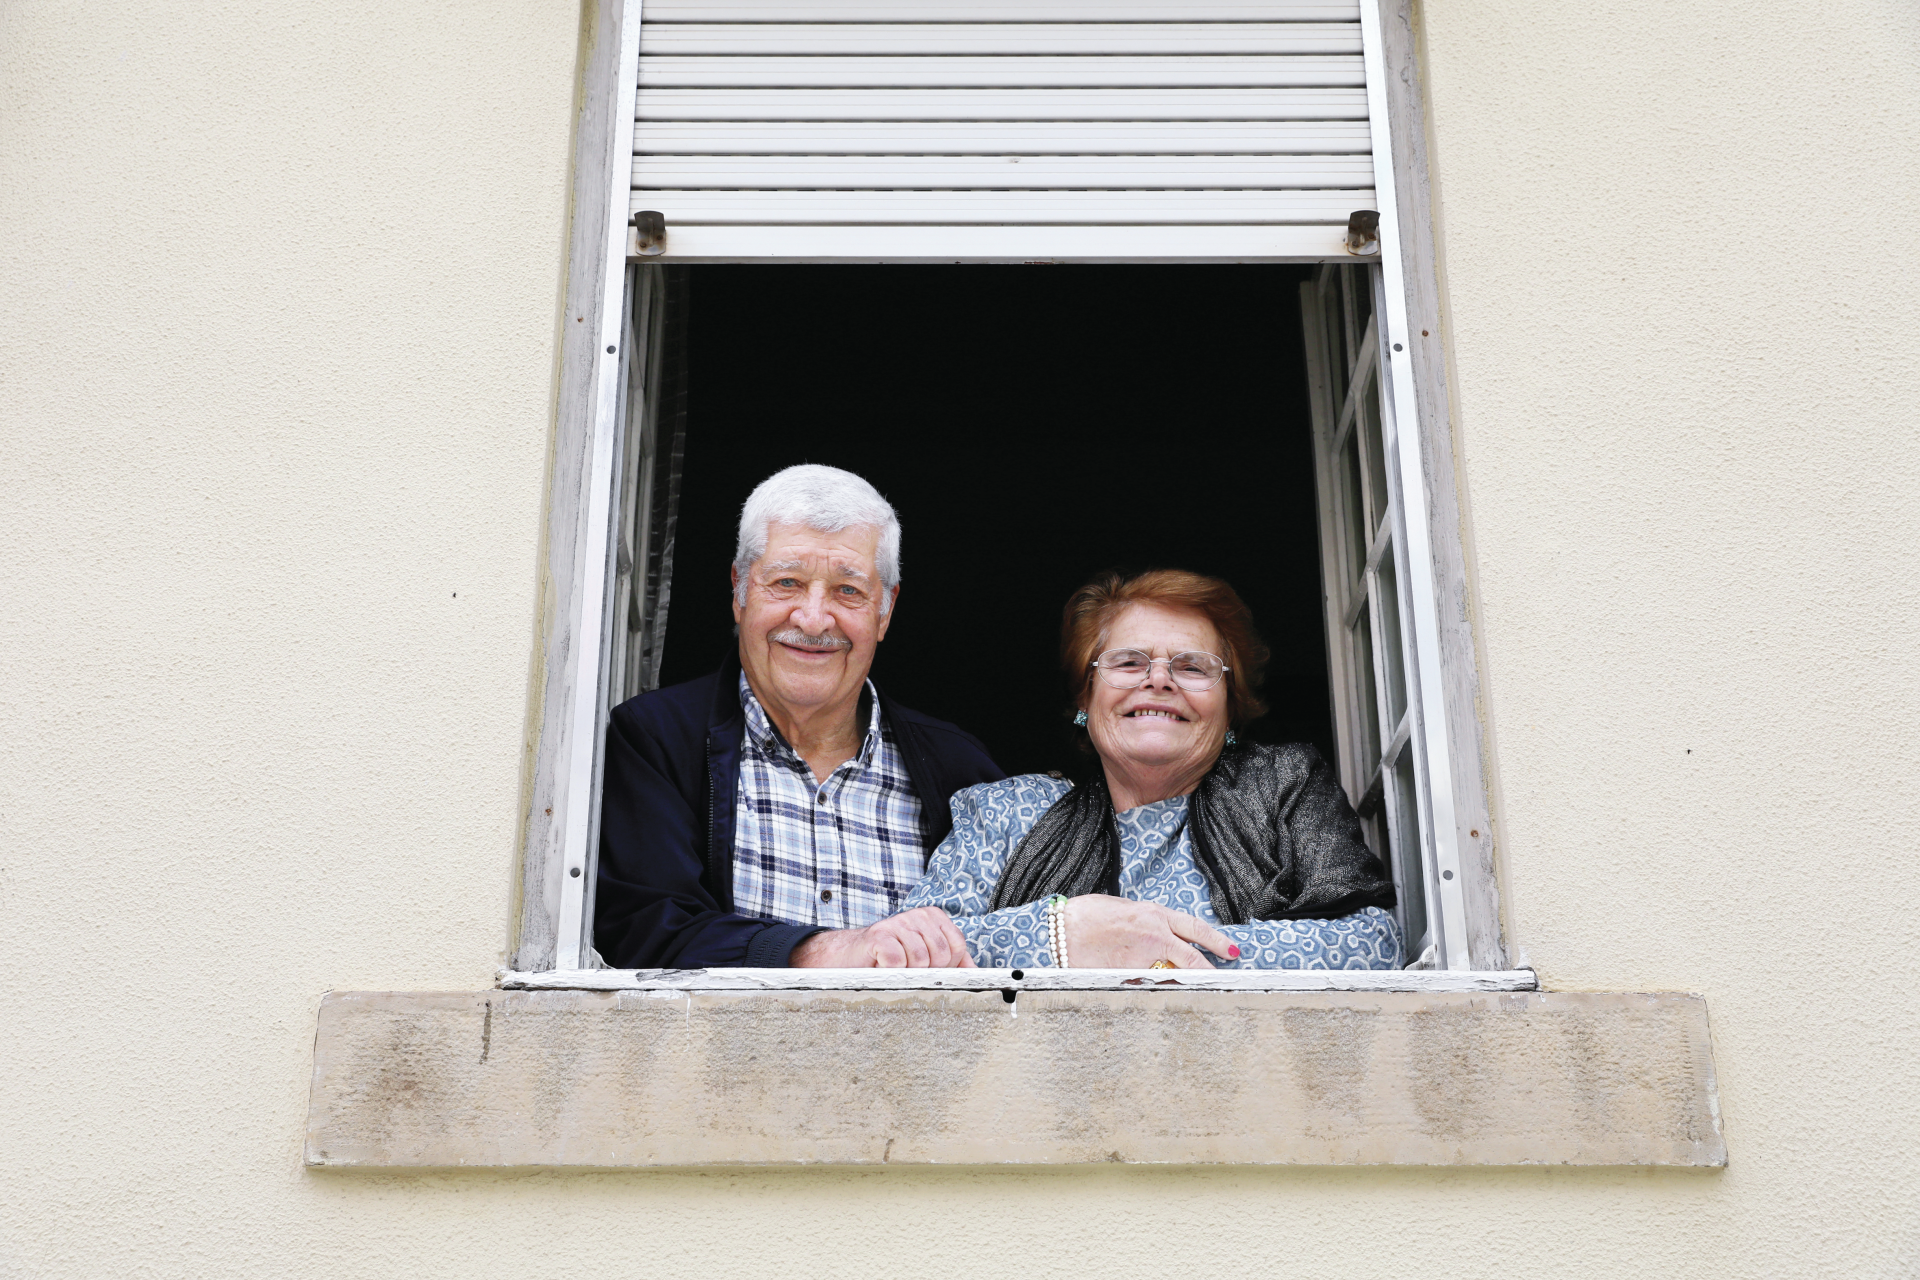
(733, 592)
(886, 619)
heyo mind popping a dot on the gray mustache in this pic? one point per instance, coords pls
(801, 640)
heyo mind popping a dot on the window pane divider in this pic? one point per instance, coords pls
(1356, 383)
(1345, 429)
(1375, 793)
(1357, 594)
(1357, 602)
(1402, 734)
(1381, 542)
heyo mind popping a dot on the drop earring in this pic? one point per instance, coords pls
(1233, 739)
(1080, 719)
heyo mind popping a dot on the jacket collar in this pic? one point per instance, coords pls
(726, 712)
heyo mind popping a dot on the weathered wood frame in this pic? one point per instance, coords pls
(1447, 666)
(551, 929)
(551, 932)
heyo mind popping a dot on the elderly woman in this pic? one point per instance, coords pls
(1183, 842)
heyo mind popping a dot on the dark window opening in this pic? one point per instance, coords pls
(1031, 427)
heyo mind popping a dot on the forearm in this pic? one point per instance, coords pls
(1367, 939)
(1011, 938)
(639, 930)
(987, 823)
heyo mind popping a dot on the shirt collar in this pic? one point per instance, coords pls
(761, 729)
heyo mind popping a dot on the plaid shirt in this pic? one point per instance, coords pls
(840, 853)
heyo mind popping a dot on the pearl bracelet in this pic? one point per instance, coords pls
(1057, 930)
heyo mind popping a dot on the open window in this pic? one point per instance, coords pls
(1127, 132)
(651, 450)
(1363, 555)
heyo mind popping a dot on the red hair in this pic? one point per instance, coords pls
(1091, 610)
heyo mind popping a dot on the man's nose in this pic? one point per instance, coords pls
(811, 613)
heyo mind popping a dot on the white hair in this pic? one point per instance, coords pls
(826, 499)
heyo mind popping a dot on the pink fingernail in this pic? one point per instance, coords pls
(1234, 952)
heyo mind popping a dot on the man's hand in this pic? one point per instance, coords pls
(924, 938)
(1105, 932)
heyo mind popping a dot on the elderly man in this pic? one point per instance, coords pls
(777, 811)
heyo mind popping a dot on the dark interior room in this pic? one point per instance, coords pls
(1031, 426)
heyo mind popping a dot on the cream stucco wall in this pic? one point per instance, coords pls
(277, 319)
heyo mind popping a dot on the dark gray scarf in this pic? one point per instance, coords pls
(1272, 831)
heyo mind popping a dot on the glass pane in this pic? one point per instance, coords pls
(1367, 413)
(1335, 329)
(1373, 827)
(1362, 278)
(1392, 661)
(1366, 713)
(1355, 515)
(1409, 880)
(1358, 305)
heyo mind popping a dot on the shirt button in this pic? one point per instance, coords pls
(826, 895)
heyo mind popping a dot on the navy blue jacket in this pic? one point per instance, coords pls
(664, 897)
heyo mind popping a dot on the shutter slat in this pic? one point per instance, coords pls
(1118, 208)
(1032, 172)
(675, 11)
(990, 38)
(1001, 104)
(1063, 117)
(976, 137)
(1028, 72)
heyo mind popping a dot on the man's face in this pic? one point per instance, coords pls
(812, 615)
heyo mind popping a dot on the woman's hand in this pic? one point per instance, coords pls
(1105, 932)
(924, 938)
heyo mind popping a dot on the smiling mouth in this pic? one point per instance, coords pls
(1153, 713)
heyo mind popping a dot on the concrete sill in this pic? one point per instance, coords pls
(673, 1077)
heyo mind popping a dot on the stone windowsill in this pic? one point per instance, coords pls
(654, 1074)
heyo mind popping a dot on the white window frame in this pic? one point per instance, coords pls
(551, 946)
(1363, 549)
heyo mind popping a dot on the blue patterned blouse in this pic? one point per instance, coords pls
(1156, 865)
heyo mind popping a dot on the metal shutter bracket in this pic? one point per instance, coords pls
(649, 239)
(1363, 232)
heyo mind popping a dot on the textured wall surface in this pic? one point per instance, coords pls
(278, 295)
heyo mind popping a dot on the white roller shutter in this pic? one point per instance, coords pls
(959, 129)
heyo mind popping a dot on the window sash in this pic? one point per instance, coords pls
(1364, 571)
(652, 419)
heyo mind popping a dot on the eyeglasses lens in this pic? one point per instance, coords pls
(1129, 669)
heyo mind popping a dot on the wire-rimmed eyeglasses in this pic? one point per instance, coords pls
(1130, 668)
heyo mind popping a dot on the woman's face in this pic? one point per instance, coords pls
(1159, 725)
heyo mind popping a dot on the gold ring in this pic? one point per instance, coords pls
(1162, 964)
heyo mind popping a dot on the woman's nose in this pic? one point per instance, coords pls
(1160, 673)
